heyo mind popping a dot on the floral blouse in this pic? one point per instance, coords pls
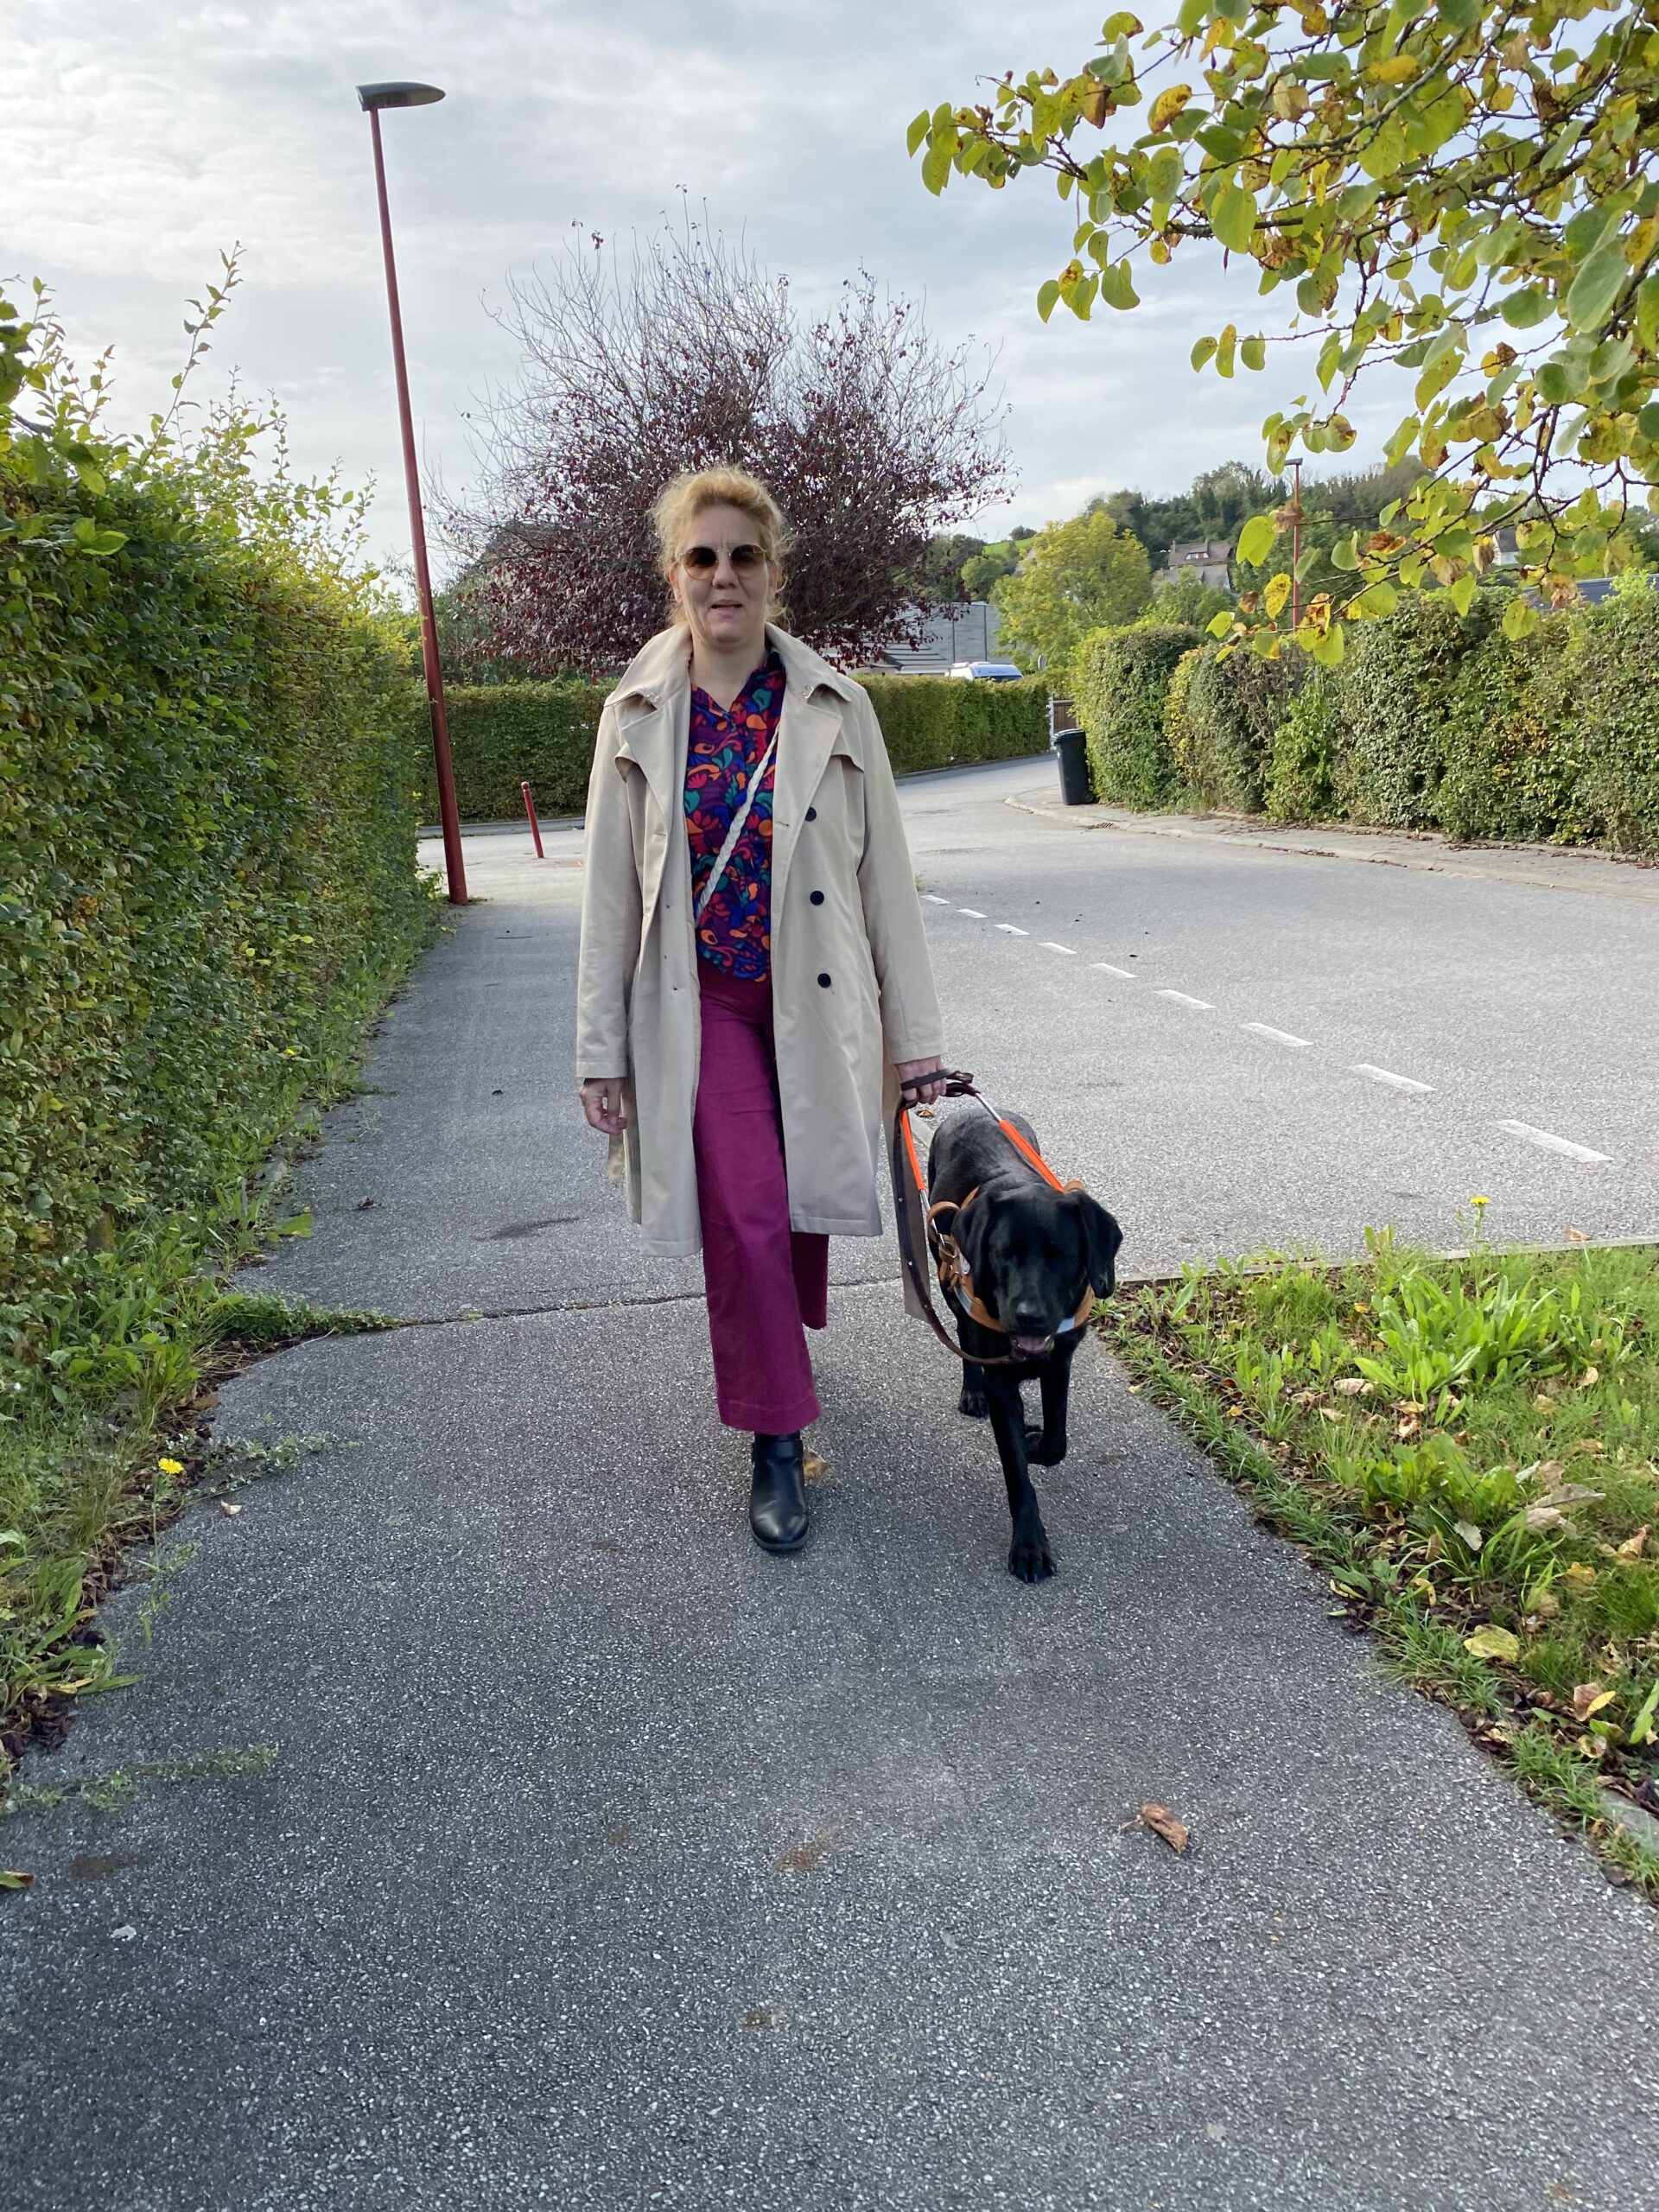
(726, 745)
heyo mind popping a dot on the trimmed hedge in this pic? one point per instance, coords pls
(502, 734)
(206, 808)
(1121, 678)
(1432, 720)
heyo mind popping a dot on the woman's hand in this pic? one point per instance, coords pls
(603, 1102)
(916, 1073)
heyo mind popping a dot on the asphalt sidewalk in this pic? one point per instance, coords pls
(605, 1862)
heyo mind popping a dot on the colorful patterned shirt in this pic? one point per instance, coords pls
(727, 745)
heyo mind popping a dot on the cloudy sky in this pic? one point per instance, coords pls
(145, 135)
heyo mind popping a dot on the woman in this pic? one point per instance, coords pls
(753, 960)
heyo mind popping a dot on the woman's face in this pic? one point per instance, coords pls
(724, 597)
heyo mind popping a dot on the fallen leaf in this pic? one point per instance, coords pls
(1163, 1822)
(1542, 1517)
(1590, 1375)
(363, 1204)
(12, 1879)
(1493, 1643)
(1406, 1429)
(1471, 1534)
(1546, 1605)
(1329, 1413)
(1577, 1237)
(225, 1507)
(1589, 1448)
(1353, 1386)
(1588, 1697)
(1633, 1547)
(1544, 1403)
(814, 1466)
(1579, 1574)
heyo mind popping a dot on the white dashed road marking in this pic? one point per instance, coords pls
(1277, 1036)
(1105, 967)
(934, 900)
(972, 912)
(1012, 931)
(1393, 1082)
(1049, 945)
(1181, 998)
(1554, 1144)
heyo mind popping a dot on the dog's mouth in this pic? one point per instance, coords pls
(1031, 1347)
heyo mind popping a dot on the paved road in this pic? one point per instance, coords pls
(605, 1863)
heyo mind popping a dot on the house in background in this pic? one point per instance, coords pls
(1206, 558)
(954, 634)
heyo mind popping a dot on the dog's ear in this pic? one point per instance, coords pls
(971, 1227)
(1102, 1237)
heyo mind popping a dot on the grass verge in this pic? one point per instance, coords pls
(1469, 1448)
(103, 1426)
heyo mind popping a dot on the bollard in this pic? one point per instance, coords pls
(534, 826)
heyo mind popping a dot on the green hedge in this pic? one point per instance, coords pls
(1432, 720)
(1118, 692)
(207, 810)
(503, 734)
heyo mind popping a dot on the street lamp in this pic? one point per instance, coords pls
(373, 99)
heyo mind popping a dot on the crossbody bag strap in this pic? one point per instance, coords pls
(736, 830)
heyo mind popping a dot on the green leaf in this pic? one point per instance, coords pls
(1642, 1728)
(1521, 311)
(1203, 351)
(1048, 297)
(1254, 353)
(917, 131)
(1164, 173)
(1646, 311)
(1520, 619)
(1118, 287)
(1374, 601)
(1462, 593)
(1344, 553)
(1256, 541)
(1233, 218)
(936, 166)
(1598, 284)
(1219, 625)
(1226, 349)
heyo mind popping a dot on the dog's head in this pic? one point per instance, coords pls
(1032, 1254)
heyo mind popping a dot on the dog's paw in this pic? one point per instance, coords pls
(975, 1404)
(1038, 1453)
(1029, 1557)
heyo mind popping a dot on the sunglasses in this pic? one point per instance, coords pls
(704, 557)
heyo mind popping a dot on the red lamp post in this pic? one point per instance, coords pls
(373, 99)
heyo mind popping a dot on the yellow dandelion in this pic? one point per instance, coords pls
(171, 1466)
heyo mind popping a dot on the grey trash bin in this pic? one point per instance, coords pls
(1077, 786)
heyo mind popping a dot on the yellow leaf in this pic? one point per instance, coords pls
(1590, 1375)
(1633, 1547)
(1578, 1574)
(1589, 1698)
(1493, 1643)
(1394, 69)
(1167, 105)
(1274, 598)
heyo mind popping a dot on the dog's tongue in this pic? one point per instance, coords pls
(1031, 1347)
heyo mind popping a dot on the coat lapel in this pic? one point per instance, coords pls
(808, 727)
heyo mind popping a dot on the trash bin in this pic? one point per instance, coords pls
(1077, 785)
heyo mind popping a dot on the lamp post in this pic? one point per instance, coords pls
(1296, 549)
(373, 99)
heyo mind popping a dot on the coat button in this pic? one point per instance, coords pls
(812, 813)
(817, 897)
(824, 982)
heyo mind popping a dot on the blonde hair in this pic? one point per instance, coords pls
(680, 503)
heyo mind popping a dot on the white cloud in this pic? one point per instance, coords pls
(143, 136)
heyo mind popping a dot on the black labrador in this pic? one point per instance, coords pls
(1033, 1254)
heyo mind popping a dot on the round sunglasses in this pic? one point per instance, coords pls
(704, 557)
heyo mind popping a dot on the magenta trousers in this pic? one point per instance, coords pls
(765, 1282)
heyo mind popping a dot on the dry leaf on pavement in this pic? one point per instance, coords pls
(1163, 1822)
(12, 1879)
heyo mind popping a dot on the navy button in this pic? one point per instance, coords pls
(817, 897)
(824, 982)
(812, 813)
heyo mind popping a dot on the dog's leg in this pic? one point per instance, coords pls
(972, 1400)
(1029, 1556)
(1046, 1446)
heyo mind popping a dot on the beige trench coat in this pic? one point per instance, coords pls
(852, 985)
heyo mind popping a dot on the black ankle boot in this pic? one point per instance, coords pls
(777, 1493)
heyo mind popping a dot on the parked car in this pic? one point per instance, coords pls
(989, 671)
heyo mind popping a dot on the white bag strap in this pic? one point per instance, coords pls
(734, 832)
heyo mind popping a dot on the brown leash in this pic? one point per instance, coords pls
(954, 1278)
